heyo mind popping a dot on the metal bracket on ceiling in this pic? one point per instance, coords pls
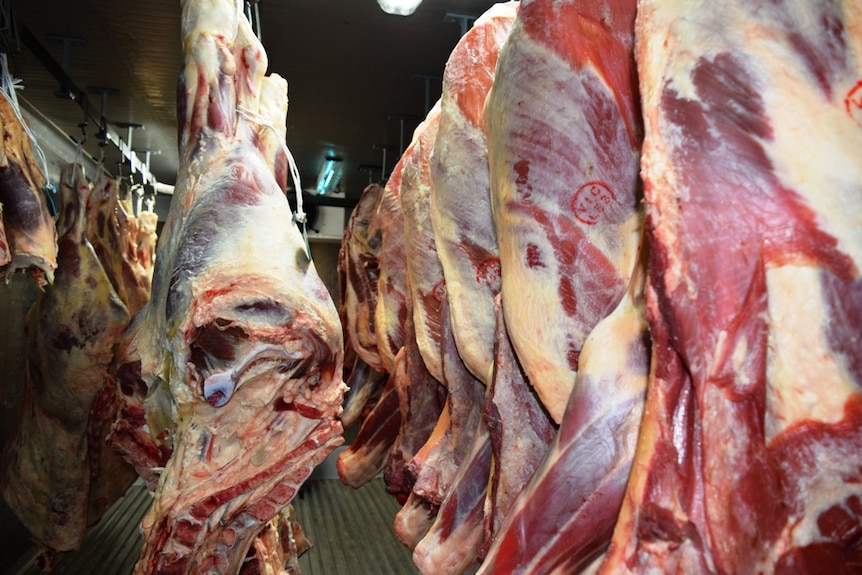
(427, 79)
(370, 169)
(85, 121)
(68, 42)
(125, 147)
(401, 119)
(464, 21)
(148, 153)
(385, 148)
(105, 134)
(253, 15)
(103, 92)
(149, 199)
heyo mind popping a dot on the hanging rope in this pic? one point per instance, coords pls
(8, 85)
(298, 216)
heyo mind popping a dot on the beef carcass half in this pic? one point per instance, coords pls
(364, 387)
(463, 233)
(750, 451)
(103, 231)
(392, 294)
(426, 283)
(421, 397)
(519, 427)
(368, 452)
(563, 131)
(452, 469)
(232, 374)
(145, 243)
(138, 241)
(73, 329)
(400, 224)
(565, 515)
(27, 221)
(437, 462)
(460, 199)
(358, 271)
(421, 400)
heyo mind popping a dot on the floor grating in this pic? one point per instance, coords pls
(351, 533)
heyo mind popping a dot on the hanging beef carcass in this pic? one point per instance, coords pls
(421, 398)
(435, 466)
(463, 233)
(103, 231)
(138, 241)
(423, 266)
(391, 310)
(565, 515)
(365, 458)
(358, 270)
(145, 243)
(460, 198)
(232, 374)
(367, 454)
(563, 145)
(27, 221)
(520, 431)
(750, 452)
(125, 243)
(54, 475)
(398, 424)
(364, 387)
(417, 514)
(437, 462)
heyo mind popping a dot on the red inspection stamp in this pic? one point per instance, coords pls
(592, 200)
(853, 102)
(488, 272)
(438, 291)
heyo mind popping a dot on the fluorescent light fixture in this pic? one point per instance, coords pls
(399, 7)
(329, 176)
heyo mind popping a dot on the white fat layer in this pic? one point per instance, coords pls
(817, 150)
(422, 262)
(805, 379)
(461, 206)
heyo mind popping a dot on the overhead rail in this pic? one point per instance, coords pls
(79, 96)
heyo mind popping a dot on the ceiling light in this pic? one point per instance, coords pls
(399, 7)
